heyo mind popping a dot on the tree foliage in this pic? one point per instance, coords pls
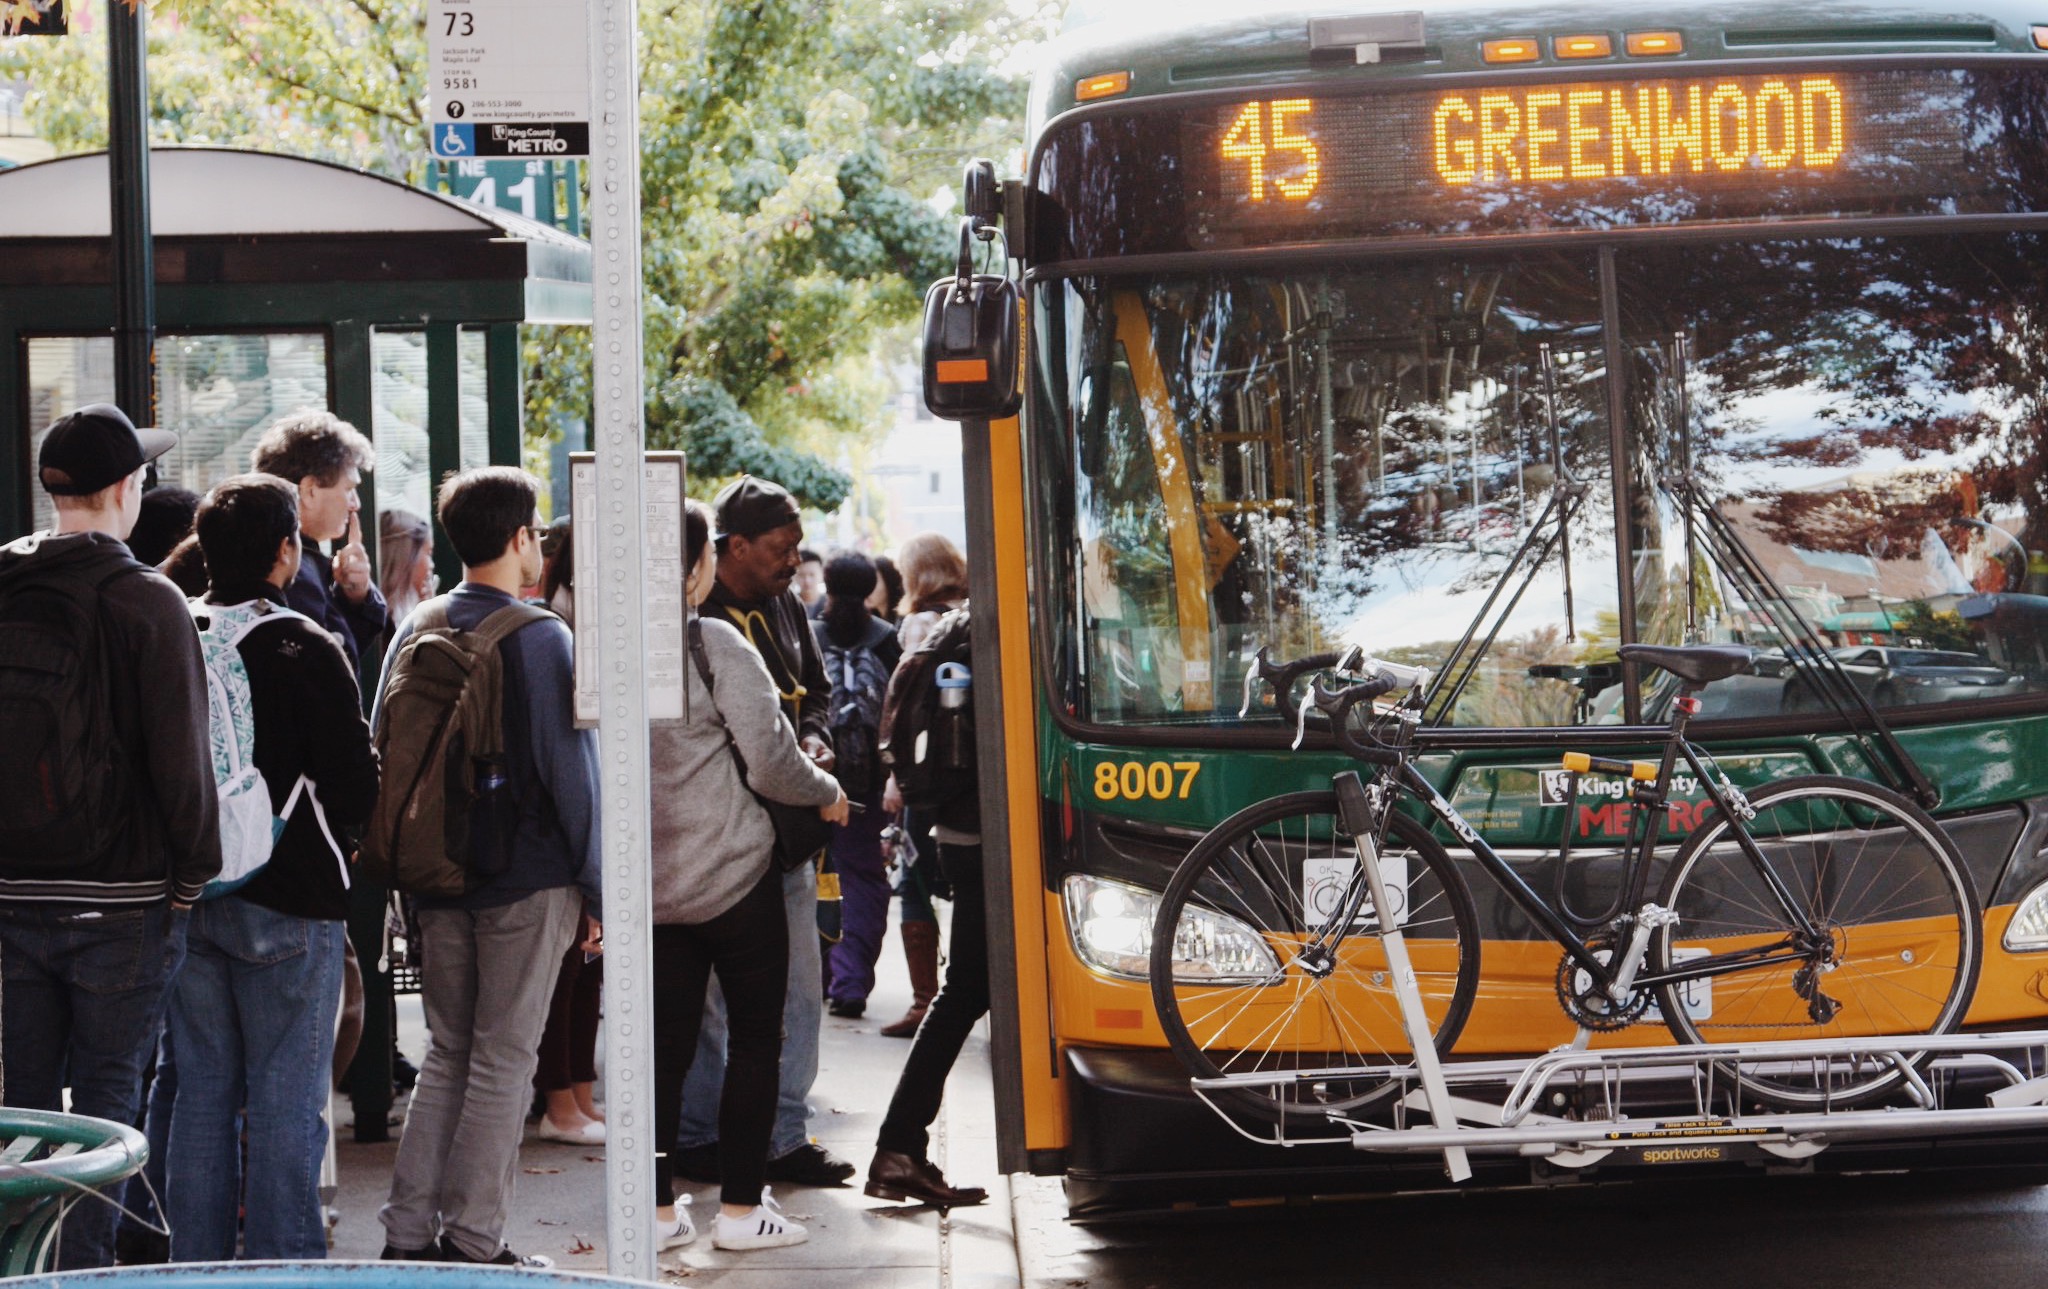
(791, 151)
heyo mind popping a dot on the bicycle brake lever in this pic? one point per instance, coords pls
(1251, 682)
(1308, 700)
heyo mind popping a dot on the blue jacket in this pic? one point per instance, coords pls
(557, 844)
(357, 626)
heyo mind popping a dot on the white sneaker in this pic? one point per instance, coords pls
(763, 1228)
(588, 1133)
(674, 1235)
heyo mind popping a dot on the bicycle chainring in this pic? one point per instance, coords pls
(1583, 1001)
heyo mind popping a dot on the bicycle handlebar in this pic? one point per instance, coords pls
(1375, 677)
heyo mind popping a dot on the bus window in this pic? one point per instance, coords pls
(1305, 460)
(1867, 415)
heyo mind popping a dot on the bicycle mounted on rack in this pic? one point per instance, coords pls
(1826, 913)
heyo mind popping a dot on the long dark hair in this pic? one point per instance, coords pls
(892, 586)
(696, 532)
(849, 581)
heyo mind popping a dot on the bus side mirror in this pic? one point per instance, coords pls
(972, 342)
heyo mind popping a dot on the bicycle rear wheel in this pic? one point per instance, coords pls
(1235, 992)
(1899, 937)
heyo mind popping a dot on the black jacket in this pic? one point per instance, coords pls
(170, 841)
(791, 652)
(309, 721)
(358, 627)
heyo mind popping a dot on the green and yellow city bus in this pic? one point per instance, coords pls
(1491, 338)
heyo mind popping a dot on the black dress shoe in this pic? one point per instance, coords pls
(696, 1163)
(849, 1009)
(810, 1165)
(897, 1176)
(392, 1253)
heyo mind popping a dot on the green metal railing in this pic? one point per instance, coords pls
(47, 1163)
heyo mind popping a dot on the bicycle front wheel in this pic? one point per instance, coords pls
(1253, 973)
(1891, 946)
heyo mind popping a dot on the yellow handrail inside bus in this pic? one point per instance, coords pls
(1183, 516)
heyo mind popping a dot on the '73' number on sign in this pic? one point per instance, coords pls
(461, 24)
(1145, 780)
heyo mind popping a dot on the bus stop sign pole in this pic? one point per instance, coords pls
(619, 439)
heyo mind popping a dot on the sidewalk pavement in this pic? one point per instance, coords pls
(863, 1243)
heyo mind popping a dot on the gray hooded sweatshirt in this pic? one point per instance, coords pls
(712, 839)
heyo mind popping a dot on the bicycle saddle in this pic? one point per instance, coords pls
(1698, 664)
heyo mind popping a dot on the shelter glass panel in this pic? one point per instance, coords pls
(398, 424)
(472, 380)
(63, 373)
(218, 392)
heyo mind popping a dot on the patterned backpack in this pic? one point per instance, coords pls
(248, 828)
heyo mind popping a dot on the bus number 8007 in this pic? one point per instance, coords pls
(1145, 780)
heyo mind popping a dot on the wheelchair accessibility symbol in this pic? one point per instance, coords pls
(455, 141)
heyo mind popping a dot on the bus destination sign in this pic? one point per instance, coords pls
(1573, 133)
(1610, 153)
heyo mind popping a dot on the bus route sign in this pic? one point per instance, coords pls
(508, 78)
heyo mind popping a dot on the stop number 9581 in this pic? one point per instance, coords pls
(1145, 780)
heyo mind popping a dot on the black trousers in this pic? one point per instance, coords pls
(568, 1046)
(748, 945)
(962, 1002)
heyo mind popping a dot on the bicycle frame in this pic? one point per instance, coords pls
(1641, 849)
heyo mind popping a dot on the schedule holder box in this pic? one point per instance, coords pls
(662, 553)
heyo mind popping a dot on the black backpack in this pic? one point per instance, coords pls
(915, 736)
(860, 681)
(65, 782)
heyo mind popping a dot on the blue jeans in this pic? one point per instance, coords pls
(252, 1023)
(803, 1012)
(84, 994)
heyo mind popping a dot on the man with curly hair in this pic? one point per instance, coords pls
(326, 458)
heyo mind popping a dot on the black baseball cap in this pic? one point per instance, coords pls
(96, 447)
(748, 507)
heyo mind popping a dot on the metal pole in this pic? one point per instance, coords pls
(134, 263)
(619, 439)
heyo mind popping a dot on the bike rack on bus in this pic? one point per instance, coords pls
(1661, 1099)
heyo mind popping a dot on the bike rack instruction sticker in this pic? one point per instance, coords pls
(508, 78)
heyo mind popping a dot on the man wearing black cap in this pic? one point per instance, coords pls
(108, 814)
(760, 539)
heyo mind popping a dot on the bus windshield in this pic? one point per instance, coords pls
(1355, 453)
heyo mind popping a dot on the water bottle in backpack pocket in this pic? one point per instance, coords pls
(952, 731)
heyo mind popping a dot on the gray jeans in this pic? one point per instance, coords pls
(488, 975)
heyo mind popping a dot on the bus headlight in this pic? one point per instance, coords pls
(1110, 924)
(2028, 930)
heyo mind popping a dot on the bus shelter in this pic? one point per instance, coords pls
(282, 283)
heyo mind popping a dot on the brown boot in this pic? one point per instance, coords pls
(921, 951)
